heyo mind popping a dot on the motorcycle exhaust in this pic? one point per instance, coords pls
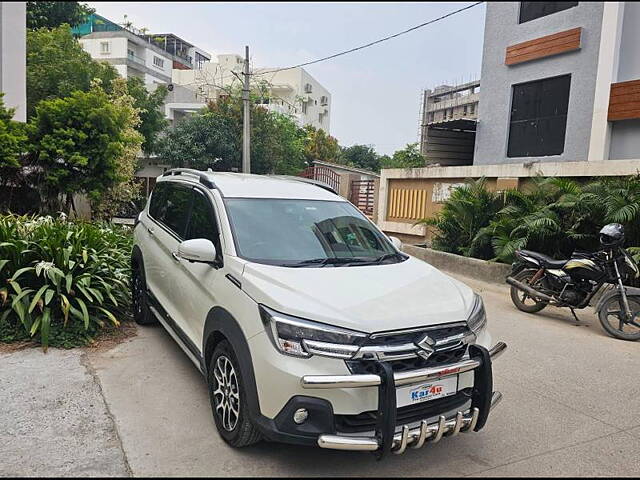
(530, 291)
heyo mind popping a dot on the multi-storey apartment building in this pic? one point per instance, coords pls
(135, 53)
(448, 123)
(294, 92)
(560, 83)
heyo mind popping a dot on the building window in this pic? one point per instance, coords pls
(533, 10)
(105, 47)
(464, 110)
(158, 62)
(539, 117)
(472, 108)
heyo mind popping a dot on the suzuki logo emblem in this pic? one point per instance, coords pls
(426, 345)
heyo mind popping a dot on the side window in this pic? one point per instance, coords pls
(158, 196)
(174, 211)
(202, 223)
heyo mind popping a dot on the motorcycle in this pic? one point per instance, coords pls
(586, 279)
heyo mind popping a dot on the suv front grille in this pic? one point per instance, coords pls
(436, 359)
(412, 358)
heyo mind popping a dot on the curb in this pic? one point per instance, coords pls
(470, 267)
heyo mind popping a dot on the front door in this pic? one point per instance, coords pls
(200, 279)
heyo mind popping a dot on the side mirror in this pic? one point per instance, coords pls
(396, 242)
(197, 250)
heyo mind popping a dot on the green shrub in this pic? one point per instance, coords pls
(61, 281)
(469, 208)
(554, 216)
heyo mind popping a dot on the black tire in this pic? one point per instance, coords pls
(606, 315)
(518, 297)
(228, 397)
(139, 302)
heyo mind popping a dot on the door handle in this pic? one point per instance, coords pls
(151, 230)
(175, 256)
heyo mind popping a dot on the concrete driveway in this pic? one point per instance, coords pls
(571, 407)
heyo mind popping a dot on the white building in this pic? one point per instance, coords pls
(130, 55)
(134, 53)
(13, 57)
(294, 92)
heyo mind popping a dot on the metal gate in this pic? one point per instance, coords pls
(323, 174)
(362, 195)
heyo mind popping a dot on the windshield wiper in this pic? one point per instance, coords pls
(386, 256)
(321, 262)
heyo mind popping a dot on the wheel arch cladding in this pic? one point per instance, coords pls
(136, 256)
(222, 325)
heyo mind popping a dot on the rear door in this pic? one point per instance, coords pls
(166, 231)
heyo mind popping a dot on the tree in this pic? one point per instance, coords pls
(213, 139)
(408, 157)
(54, 14)
(80, 141)
(152, 120)
(13, 138)
(319, 145)
(106, 204)
(360, 156)
(57, 66)
(201, 141)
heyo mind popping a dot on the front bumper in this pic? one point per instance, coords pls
(385, 437)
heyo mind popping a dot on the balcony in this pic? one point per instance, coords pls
(135, 58)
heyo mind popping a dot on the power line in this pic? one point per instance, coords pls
(372, 43)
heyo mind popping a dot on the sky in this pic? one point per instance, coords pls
(376, 91)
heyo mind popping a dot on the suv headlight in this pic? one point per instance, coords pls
(303, 338)
(478, 317)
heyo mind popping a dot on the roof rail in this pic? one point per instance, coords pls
(204, 179)
(310, 181)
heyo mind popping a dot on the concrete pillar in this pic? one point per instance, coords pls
(13, 57)
(607, 73)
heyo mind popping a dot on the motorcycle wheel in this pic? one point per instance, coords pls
(611, 316)
(520, 299)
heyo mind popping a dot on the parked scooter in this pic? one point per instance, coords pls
(585, 279)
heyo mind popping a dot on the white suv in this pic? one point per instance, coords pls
(309, 324)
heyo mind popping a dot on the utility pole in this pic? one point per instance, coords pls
(246, 125)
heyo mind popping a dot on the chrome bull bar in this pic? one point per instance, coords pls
(413, 438)
(483, 400)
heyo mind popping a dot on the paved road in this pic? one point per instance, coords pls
(571, 407)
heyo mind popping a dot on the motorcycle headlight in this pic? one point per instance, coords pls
(477, 319)
(303, 338)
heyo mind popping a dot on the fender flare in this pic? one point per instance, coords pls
(136, 255)
(221, 324)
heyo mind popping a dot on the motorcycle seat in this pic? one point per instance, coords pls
(545, 260)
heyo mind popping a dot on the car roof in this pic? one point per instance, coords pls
(243, 185)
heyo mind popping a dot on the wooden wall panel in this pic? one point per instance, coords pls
(546, 46)
(624, 101)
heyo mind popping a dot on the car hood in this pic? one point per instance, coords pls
(369, 298)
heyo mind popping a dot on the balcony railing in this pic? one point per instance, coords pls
(135, 58)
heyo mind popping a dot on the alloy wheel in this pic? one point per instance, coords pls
(226, 393)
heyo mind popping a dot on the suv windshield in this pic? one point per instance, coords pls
(306, 233)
